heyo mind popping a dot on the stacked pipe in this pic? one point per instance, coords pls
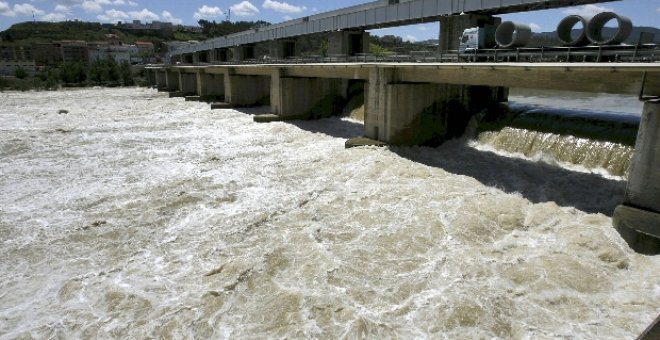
(510, 34)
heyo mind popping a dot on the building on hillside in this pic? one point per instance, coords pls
(123, 53)
(8, 68)
(162, 29)
(74, 51)
(47, 53)
(16, 52)
(145, 48)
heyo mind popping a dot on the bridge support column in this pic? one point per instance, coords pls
(222, 55)
(638, 218)
(451, 28)
(210, 86)
(283, 48)
(421, 113)
(187, 83)
(243, 52)
(348, 43)
(246, 90)
(305, 98)
(172, 80)
(152, 77)
(161, 79)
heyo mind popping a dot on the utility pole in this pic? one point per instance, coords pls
(229, 14)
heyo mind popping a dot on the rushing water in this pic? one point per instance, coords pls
(139, 216)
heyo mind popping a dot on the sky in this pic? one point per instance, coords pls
(188, 12)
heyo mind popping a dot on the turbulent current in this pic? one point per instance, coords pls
(133, 215)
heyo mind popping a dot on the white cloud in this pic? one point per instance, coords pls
(244, 9)
(658, 10)
(133, 3)
(167, 16)
(534, 27)
(144, 15)
(5, 9)
(587, 10)
(112, 15)
(54, 17)
(91, 7)
(207, 12)
(410, 38)
(287, 17)
(27, 10)
(62, 9)
(282, 7)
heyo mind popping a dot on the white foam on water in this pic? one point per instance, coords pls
(139, 216)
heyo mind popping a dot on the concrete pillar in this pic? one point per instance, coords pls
(152, 77)
(246, 90)
(638, 218)
(283, 48)
(306, 98)
(222, 55)
(243, 52)
(348, 43)
(161, 79)
(451, 28)
(187, 83)
(172, 80)
(421, 113)
(210, 86)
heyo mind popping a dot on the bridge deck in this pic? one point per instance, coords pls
(617, 78)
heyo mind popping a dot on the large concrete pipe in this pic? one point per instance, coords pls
(597, 23)
(511, 34)
(566, 27)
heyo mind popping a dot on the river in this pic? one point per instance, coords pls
(133, 215)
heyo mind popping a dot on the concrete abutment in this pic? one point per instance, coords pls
(638, 218)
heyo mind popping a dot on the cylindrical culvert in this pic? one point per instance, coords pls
(566, 27)
(597, 24)
(511, 34)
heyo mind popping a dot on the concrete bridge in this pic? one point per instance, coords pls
(410, 104)
(346, 27)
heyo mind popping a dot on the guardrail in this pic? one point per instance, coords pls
(627, 53)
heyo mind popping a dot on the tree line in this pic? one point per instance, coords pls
(101, 72)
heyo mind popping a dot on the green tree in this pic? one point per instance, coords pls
(20, 73)
(125, 73)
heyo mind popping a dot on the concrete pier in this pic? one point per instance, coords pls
(283, 48)
(210, 86)
(188, 83)
(159, 79)
(638, 218)
(295, 97)
(246, 90)
(348, 43)
(172, 83)
(404, 113)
